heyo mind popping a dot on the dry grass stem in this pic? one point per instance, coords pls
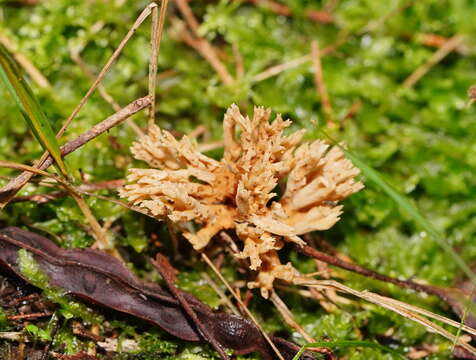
(322, 16)
(206, 50)
(10, 190)
(439, 55)
(243, 306)
(291, 64)
(158, 21)
(289, 317)
(76, 57)
(375, 24)
(99, 234)
(395, 306)
(277, 69)
(201, 45)
(321, 85)
(220, 293)
(26, 64)
(239, 62)
(188, 15)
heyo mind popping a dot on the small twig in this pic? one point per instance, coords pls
(332, 260)
(30, 69)
(437, 41)
(99, 233)
(238, 299)
(39, 198)
(398, 307)
(439, 55)
(78, 329)
(44, 198)
(289, 317)
(277, 69)
(239, 63)
(322, 16)
(69, 147)
(220, 293)
(162, 266)
(374, 24)
(29, 316)
(7, 192)
(188, 15)
(201, 45)
(157, 29)
(103, 92)
(320, 84)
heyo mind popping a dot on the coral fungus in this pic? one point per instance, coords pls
(238, 192)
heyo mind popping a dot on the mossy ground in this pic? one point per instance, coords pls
(422, 139)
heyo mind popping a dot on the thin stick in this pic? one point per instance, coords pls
(277, 69)
(26, 176)
(103, 92)
(239, 63)
(26, 64)
(320, 84)
(289, 317)
(162, 266)
(439, 55)
(100, 235)
(332, 260)
(29, 316)
(201, 45)
(375, 24)
(188, 15)
(322, 16)
(220, 293)
(157, 29)
(389, 304)
(238, 299)
(145, 13)
(69, 147)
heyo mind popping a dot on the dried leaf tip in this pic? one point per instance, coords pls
(238, 191)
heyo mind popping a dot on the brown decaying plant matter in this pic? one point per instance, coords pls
(237, 192)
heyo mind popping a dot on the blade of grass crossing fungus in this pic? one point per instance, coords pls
(348, 343)
(30, 107)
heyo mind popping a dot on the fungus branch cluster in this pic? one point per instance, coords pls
(239, 192)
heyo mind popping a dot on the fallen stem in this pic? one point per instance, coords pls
(332, 260)
(9, 190)
(437, 56)
(248, 312)
(163, 267)
(158, 21)
(99, 233)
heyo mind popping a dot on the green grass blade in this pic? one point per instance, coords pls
(347, 343)
(30, 107)
(405, 204)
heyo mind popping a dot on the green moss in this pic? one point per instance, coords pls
(3, 320)
(420, 138)
(69, 308)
